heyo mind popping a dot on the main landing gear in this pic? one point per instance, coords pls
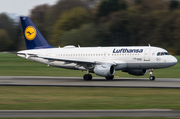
(151, 78)
(87, 77)
(109, 77)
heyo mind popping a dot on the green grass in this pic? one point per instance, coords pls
(12, 65)
(58, 98)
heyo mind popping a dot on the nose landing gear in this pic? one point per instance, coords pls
(151, 78)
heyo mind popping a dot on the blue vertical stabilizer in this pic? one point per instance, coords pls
(32, 36)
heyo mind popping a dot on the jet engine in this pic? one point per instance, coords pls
(136, 72)
(104, 70)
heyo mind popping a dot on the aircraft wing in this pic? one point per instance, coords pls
(75, 60)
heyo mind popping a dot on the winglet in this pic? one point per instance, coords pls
(32, 36)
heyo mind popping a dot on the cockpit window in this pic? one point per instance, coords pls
(166, 53)
(158, 53)
(162, 53)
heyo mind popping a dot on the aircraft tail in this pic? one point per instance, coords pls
(32, 36)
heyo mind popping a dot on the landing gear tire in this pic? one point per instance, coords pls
(87, 77)
(109, 77)
(151, 78)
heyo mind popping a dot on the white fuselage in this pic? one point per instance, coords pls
(123, 57)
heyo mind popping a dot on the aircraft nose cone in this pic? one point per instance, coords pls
(173, 60)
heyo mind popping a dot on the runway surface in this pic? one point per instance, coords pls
(96, 82)
(91, 113)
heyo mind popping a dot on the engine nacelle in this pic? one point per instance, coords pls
(136, 72)
(104, 70)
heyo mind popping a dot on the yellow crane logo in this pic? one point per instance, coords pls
(30, 32)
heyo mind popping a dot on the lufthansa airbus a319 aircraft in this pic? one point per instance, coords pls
(103, 61)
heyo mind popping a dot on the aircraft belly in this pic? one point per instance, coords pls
(121, 66)
(136, 65)
(147, 65)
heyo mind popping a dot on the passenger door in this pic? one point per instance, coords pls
(147, 54)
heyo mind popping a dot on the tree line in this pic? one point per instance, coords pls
(100, 23)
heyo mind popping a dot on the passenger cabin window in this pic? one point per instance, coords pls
(162, 53)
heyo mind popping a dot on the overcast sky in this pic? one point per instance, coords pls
(22, 7)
